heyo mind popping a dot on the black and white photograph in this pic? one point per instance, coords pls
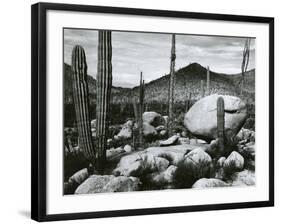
(150, 111)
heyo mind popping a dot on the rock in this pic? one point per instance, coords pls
(149, 130)
(175, 153)
(130, 165)
(163, 178)
(128, 148)
(200, 141)
(114, 152)
(122, 184)
(244, 178)
(93, 124)
(201, 119)
(221, 161)
(235, 161)
(163, 133)
(184, 134)
(140, 162)
(79, 176)
(246, 134)
(183, 140)
(212, 182)
(127, 130)
(199, 156)
(94, 184)
(193, 141)
(165, 119)
(160, 128)
(152, 118)
(170, 141)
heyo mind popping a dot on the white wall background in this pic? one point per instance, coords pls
(15, 110)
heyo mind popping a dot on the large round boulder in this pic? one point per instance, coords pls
(201, 119)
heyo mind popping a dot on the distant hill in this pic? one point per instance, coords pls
(187, 80)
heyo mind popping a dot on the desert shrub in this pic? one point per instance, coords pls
(73, 162)
(187, 173)
(229, 170)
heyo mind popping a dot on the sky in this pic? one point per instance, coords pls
(133, 52)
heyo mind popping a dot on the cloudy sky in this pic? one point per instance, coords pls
(150, 53)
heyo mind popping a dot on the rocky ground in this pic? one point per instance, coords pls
(190, 158)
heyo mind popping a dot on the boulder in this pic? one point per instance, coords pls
(201, 119)
(199, 156)
(163, 133)
(153, 118)
(130, 165)
(211, 182)
(235, 161)
(183, 140)
(148, 130)
(244, 178)
(163, 178)
(170, 141)
(122, 184)
(127, 131)
(113, 152)
(94, 184)
(79, 176)
(128, 148)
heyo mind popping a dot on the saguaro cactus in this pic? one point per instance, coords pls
(220, 124)
(188, 102)
(208, 81)
(245, 61)
(202, 88)
(172, 84)
(81, 102)
(104, 83)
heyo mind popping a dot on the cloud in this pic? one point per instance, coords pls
(133, 52)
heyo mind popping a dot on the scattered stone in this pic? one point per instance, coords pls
(149, 130)
(183, 140)
(244, 178)
(193, 141)
(127, 130)
(184, 134)
(128, 148)
(122, 184)
(170, 141)
(163, 133)
(212, 182)
(163, 178)
(94, 184)
(199, 156)
(152, 118)
(114, 152)
(201, 119)
(200, 141)
(235, 161)
(79, 176)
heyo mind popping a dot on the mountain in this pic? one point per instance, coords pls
(187, 80)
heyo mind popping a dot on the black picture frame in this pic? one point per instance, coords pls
(39, 122)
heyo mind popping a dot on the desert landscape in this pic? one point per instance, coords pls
(190, 128)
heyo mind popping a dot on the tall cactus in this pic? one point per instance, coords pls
(244, 65)
(104, 83)
(141, 110)
(208, 81)
(81, 102)
(172, 84)
(220, 124)
(202, 88)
